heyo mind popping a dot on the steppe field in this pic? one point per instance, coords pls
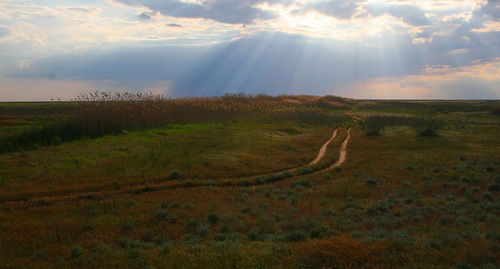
(249, 181)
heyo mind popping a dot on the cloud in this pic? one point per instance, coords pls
(174, 25)
(225, 11)
(340, 9)
(490, 10)
(84, 10)
(268, 62)
(410, 14)
(4, 31)
(144, 16)
(477, 82)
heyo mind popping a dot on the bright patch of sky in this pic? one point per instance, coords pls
(360, 48)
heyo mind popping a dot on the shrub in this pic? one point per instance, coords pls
(306, 183)
(175, 175)
(371, 182)
(203, 231)
(128, 225)
(77, 255)
(245, 182)
(487, 196)
(338, 169)
(176, 204)
(164, 204)
(410, 167)
(439, 169)
(260, 180)
(274, 178)
(319, 231)
(86, 196)
(213, 217)
(496, 111)
(326, 176)
(406, 183)
(374, 125)
(192, 223)
(131, 202)
(305, 170)
(253, 234)
(445, 220)
(427, 124)
(494, 187)
(328, 212)
(296, 236)
(376, 207)
(161, 214)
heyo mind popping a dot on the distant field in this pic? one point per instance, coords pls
(226, 182)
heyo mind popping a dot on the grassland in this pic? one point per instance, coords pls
(230, 187)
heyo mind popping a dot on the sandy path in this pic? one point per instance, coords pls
(343, 151)
(322, 151)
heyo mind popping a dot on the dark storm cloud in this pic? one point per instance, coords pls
(225, 11)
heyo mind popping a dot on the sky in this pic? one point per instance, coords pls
(373, 49)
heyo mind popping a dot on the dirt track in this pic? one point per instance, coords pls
(322, 151)
(343, 151)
